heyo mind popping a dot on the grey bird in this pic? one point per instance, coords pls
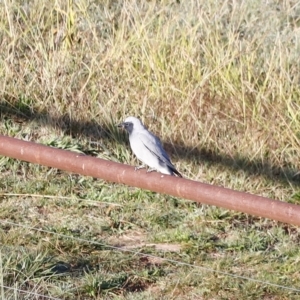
(147, 147)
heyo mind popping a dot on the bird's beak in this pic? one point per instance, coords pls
(121, 125)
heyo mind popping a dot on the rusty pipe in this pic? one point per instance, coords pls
(179, 187)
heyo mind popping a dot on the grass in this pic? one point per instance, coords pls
(217, 81)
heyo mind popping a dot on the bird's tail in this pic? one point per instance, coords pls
(174, 171)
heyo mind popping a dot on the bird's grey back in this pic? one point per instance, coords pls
(153, 144)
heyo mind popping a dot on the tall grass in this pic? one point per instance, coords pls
(226, 72)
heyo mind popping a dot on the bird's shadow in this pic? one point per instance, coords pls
(91, 129)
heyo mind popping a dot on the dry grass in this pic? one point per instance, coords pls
(217, 81)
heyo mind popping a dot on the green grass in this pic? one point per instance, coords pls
(218, 82)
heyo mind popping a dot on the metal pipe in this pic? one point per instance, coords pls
(179, 187)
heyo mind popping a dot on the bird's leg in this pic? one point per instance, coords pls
(139, 167)
(150, 170)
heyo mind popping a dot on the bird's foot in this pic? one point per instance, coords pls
(139, 167)
(150, 170)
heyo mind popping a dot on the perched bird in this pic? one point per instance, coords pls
(147, 147)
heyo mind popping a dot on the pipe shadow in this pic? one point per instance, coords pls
(287, 175)
(91, 129)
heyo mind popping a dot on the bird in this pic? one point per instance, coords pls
(147, 147)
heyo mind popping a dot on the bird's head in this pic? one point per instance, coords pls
(131, 123)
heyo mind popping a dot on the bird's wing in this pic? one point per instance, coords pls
(153, 144)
